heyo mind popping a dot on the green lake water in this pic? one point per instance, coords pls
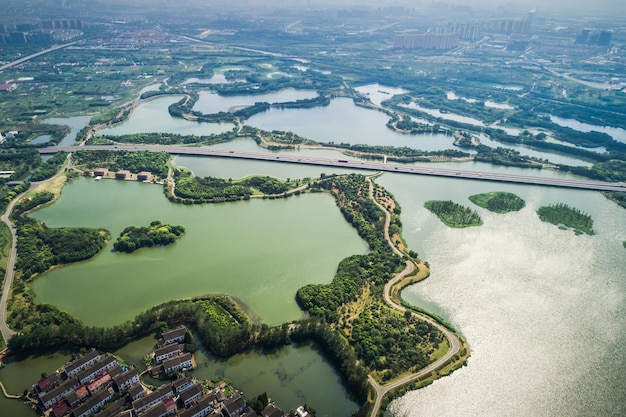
(258, 251)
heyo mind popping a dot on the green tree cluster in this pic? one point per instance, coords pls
(498, 202)
(562, 214)
(378, 266)
(43, 325)
(208, 188)
(157, 234)
(155, 162)
(19, 160)
(29, 203)
(453, 214)
(40, 247)
(267, 185)
(48, 168)
(388, 341)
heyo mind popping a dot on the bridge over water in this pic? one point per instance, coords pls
(357, 165)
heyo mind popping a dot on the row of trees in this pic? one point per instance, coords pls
(166, 139)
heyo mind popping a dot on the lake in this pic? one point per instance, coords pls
(542, 309)
(153, 116)
(258, 251)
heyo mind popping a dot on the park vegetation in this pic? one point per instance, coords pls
(48, 168)
(453, 214)
(214, 190)
(157, 234)
(40, 247)
(498, 202)
(563, 215)
(389, 343)
(154, 162)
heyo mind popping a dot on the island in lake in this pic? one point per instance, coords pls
(453, 214)
(157, 234)
(565, 216)
(498, 202)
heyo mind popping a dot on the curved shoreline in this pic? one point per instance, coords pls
(454, 342)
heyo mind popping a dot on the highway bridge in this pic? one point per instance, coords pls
(356, 164)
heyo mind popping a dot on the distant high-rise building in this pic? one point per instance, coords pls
(438, 41)
(583, 37)
(605, 38)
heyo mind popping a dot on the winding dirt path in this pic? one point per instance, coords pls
(453, 340)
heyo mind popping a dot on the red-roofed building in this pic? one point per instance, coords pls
(169, 403)
(61, 408)
(8, 87)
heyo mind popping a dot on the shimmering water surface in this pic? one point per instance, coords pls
(542, 309)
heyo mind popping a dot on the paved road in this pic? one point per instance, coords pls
(360, 165)
(8, 276)
(35, 55)
(453, 340)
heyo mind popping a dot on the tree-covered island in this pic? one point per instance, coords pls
(453, 214)
(565, 216)
(498, 202)
(157, 234)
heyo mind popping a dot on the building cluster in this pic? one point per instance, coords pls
(429, 40)
(45, 31)
(98, 385)
(586, 37)
(449, 36)
(170, 356)
(123, 174)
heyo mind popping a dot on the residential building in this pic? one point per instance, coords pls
(144, 176)
(190, 394)
(135, 392)
(47, 399)
(122, 174)
(93, 404)
(178, 363)
(233, 406)
(272, 411)
(126, 379)
(181, 384)
(85, 361)
(168, 351)
(104, 364)
(176, 335)
(153, 398)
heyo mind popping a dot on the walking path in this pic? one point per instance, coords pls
(8, 276)
(453, 339)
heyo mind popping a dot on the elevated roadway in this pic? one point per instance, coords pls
(357, 164)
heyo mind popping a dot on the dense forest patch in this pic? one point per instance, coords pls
(565, 216)
(453, 214)
(498, 202)
(157, 234)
